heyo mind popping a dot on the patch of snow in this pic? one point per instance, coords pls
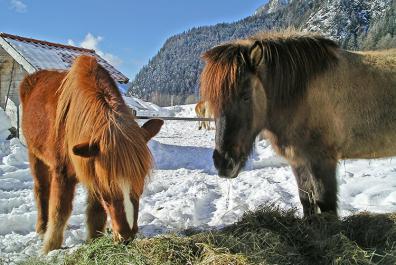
(5, 124)
(272, 6)
(184, 190)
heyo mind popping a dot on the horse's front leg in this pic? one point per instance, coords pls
(306, 189)
(324, 174)
(96, 216)
(60, 207)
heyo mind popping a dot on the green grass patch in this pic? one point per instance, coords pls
(266, 236)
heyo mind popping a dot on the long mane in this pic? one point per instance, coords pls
(91, 109)
(291, 60)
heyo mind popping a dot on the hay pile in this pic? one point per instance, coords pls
(266, 236)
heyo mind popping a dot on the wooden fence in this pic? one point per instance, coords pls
(173, 118)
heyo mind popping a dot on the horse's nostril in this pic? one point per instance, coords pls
(230, 163)
(217, 158)
(128, 241)
(225, 162)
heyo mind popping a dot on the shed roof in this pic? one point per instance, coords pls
(35, 55)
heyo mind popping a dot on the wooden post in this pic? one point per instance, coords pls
(18, 119)
(1, 95)
(9, 85)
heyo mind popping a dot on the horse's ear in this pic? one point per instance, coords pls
(256, 54)
(151, 128)
(86, 150)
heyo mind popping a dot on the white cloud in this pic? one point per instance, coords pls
(92, 42)
(111, 58)
(18, 6)
(71, 42)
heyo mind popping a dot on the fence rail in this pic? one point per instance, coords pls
(173, 118)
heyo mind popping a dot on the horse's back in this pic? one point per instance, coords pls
(374, 119)
(39, 101)
(355, 104)
(40, 82)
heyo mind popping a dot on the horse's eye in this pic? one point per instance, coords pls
(245, 96)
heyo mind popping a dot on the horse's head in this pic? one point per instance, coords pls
(232, 84)
(119, 196)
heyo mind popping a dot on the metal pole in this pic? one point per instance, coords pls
(173, 118)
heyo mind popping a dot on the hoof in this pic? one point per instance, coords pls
(52, 242)
(40, 232)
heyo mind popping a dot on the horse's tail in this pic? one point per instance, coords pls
(92, 110)
(199, 108)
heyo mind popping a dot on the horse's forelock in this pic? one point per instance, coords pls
(91, 109)
(220, 75)
(291, 60)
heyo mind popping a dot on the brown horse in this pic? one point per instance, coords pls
(78, 129)
(316, 102)
(202, 109)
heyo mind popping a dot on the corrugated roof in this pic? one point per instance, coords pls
(47, 55)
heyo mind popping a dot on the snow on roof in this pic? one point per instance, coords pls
(35, 54)
(144, 108)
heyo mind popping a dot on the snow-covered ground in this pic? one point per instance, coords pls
(183, 190)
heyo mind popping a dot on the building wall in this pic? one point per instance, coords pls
(11, 75)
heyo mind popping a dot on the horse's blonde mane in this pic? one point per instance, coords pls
(290, 58)
(91, 109)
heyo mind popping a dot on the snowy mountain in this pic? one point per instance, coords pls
(272, 6)
(355, 24)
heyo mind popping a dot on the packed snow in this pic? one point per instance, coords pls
(183, 190)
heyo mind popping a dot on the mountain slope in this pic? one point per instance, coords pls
(355, 24)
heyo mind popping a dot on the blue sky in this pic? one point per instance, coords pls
(128, 33)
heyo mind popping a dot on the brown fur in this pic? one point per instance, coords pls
(203, 110)
(123, 147)
(316, 103)
(283, 53)
(78, 128)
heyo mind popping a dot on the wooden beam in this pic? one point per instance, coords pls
(17, 56)
(10, 84)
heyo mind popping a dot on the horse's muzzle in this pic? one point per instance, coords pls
(226, 166)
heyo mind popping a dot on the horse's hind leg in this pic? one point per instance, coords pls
(41, 178)
(205, 125)
(60, 207)
(306, 189)
(96, 216)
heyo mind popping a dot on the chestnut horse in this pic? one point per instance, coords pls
(316, 102)
(78, 129)
(202, 109)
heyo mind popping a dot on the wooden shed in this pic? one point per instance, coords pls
(20, 56)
